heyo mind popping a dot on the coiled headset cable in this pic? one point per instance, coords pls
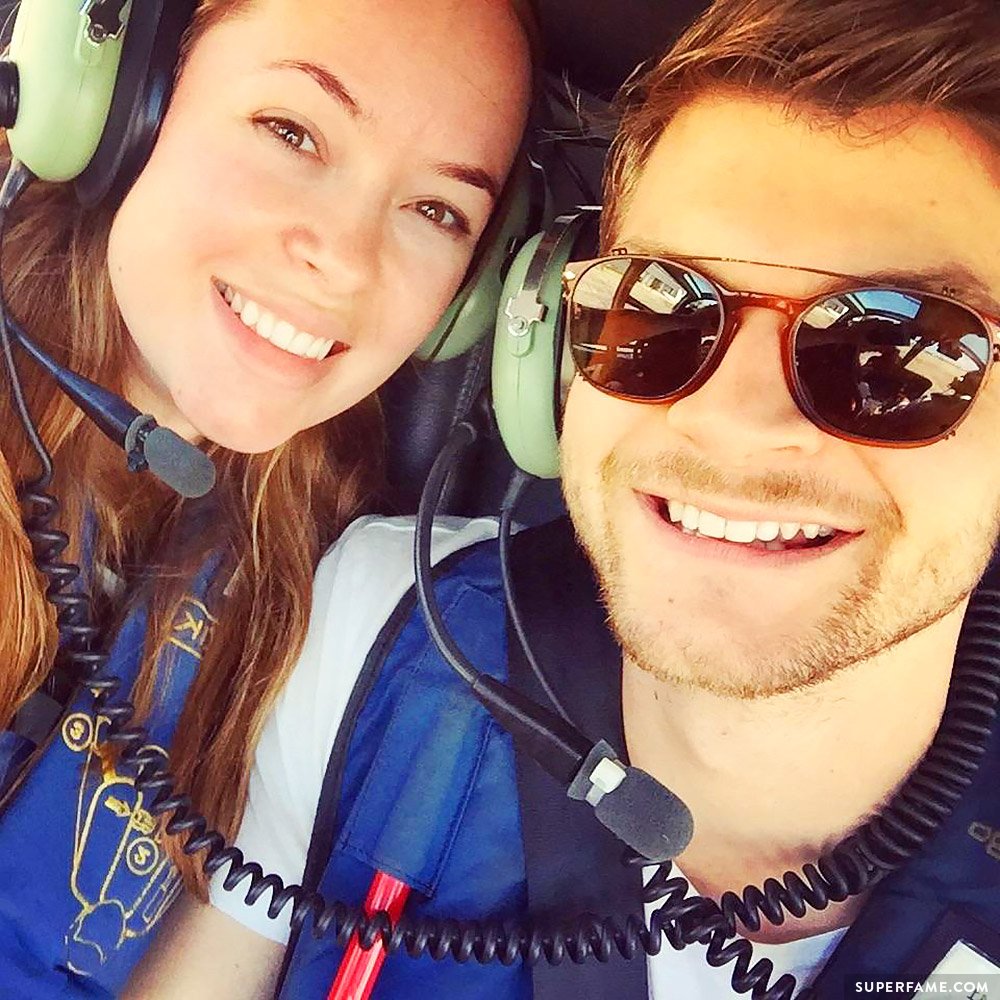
(857, 863)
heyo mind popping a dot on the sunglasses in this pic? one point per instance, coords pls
(871, 365)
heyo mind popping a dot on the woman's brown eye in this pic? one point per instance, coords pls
(290, 133)
(444, 216)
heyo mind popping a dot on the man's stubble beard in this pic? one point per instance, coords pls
(881, 607)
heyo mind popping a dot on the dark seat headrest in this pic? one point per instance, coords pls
(598, 44)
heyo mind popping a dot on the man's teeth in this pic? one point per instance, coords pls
(704, 522)
(279, 332)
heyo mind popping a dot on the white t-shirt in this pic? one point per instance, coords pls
(358, 584)
(687, 974)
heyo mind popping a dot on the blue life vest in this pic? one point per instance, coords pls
(424, 760)
(84, 878)
(423, 785)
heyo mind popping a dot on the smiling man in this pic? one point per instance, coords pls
(780, 460)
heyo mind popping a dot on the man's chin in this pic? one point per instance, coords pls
(734, 672)
(751, 652)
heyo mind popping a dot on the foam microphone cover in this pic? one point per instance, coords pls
(183, 467)
(648, 817)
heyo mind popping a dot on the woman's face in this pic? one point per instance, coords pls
(328, 167)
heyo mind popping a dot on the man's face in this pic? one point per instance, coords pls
(914, 528)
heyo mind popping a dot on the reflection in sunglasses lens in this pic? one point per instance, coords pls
(890, 366)
(642, 328)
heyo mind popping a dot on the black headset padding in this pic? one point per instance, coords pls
(142, 92)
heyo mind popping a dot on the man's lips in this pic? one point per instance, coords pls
(774, 532)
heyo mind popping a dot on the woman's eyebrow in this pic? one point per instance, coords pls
(327, 80)
(477, 177)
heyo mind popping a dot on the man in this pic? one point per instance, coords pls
(786, 554)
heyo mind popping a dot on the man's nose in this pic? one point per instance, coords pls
(745, 409)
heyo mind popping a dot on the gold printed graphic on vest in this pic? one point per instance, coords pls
(192, 627)
(122, 879)
(121, 876)
(78, 731)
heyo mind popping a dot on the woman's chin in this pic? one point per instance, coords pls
(246, 444)
(244, 438)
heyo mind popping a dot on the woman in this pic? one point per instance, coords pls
(312, 203)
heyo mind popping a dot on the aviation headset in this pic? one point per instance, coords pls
(85, 99)
(531, 368)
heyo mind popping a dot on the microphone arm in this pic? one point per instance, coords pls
(184, 468)
(636, 808)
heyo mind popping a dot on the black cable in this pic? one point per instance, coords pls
(15, 182)
(855, 865)
(887, 841)
(77, 636)
(463, 435)
(519, 482)
(850, 868)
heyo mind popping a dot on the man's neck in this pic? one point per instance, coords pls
(774, 782)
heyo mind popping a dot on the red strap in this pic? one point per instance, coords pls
(360, 967)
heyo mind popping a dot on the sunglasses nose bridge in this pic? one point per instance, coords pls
(739, 301)
(738, 308)
(736, 305)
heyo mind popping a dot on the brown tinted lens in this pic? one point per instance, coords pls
(641, 327)
(890, 366)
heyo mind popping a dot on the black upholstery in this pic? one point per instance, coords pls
(598, 43)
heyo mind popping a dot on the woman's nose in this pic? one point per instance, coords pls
(338, 252)
(745, 409)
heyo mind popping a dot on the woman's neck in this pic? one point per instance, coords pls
(774, 782)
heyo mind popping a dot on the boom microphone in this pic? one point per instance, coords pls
(184, 468)
(634, 806)
(642, 813)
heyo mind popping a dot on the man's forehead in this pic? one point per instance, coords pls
(747, 179)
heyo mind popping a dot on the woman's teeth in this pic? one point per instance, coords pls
(776, 535)
(279, 332)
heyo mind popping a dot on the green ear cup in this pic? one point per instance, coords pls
(528, 362)
(473, 311)
(67, 65)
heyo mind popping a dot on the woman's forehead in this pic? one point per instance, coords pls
(473, 37)
(442, 70)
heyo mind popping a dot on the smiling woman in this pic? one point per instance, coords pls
(314, 198)
(330, 185)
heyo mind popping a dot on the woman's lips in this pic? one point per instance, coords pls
(264, 357)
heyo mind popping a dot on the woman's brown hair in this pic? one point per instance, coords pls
(834, 58)
(274, 514)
